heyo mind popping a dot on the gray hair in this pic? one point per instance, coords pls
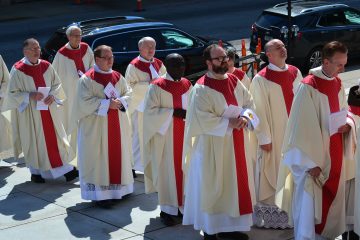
(71, 28)
(145, 39)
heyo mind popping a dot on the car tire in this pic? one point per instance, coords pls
(314, 59)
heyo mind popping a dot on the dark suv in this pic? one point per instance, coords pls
(123, 34)
(316, 23)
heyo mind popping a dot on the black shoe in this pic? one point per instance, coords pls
(37, 178)
(210, 236)
(72, 175)
(232, 235)
(106, 204)
(134, 173)
(180, 215)
(167, 219)
(352, 235)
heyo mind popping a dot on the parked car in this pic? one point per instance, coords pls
(123, 34)
(318, 22)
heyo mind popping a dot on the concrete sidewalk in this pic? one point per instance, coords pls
(54, 210)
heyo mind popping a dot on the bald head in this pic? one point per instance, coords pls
(175, 66)
(276, 52)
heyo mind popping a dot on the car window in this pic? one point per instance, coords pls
(333, 19)
(267, 20)
(352, 17)
(117, 42)
(128, 42)
(174, 39)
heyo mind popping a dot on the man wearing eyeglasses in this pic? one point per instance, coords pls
(219, 189)
(36, 95)
(5, 126)
(139, 73)
(71, 62)
(104, 144)
(273, 90)
(312, 176)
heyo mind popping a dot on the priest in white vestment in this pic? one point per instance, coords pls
(219, 188)
(164, 122)
(352, 204)
(5, 126)
(241, 75)
(104, 146)
(36, 94)
(70, 63)
(312, 176)
(139, 73)
(273, 90)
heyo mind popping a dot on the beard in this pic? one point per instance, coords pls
(222, 69)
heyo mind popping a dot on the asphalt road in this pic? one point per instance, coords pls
(228, 20)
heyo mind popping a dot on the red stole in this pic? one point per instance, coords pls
(285, 79)
(177, 89)
(114, 136)
(227, 87)
(76, 55)
(239, 74)
(37, 73)
(354, 109)
(331, 90)
(145, 66)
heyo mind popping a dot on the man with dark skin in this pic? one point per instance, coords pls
(164, 114)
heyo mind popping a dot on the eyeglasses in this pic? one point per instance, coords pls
(75, 36)
(108, 58)
(34, 49)
(221, 59)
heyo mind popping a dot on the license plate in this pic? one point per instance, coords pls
(268, 38)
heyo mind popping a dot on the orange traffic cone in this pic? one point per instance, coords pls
(243, 54)
(257, 51)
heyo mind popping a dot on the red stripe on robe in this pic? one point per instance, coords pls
(239, 74)
(76, 55)
(36, 72)
(177, 89)
(145, 66)
(227, 87)
(114, 136)
(331, 89)
(285, 79)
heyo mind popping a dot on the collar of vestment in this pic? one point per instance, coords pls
(318, 72)
(211, 74)
(98, 70)
(68, 46)
(144, 60)
(276, 68)
(27, 61)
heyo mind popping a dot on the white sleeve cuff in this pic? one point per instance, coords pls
(263, 139)
(123, 102)
(104, 107)
(58, 101)
(297, 161)
(24, 103)
(221, 129)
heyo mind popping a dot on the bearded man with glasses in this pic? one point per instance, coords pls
(219, 188)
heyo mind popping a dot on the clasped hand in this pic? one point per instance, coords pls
(238, 123)
(115, 104)
(37, 96)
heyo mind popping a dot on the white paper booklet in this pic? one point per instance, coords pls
(111, 92)
(40, 105)
(337, 120)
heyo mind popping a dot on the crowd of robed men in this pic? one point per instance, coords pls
(279, 150)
